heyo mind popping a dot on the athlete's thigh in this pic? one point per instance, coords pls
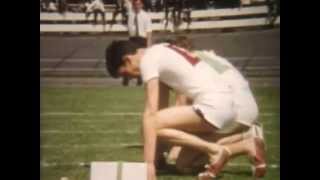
(182, 118)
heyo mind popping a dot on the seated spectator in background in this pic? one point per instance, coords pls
(52, 7)
(150, 5)
(249, 2)
(187, 13)
(120, 8)
(219, 4)
(96, 7)
(246, 2)
(42, 6)
(86, 5)
(62, 6)
(178, 8)
(147, 5)
(159, 5)
(139, 27)
(175, 6)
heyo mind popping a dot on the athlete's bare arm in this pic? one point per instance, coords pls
(149, 132)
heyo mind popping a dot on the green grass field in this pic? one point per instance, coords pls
(97, 124)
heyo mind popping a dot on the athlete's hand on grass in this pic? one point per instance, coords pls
(151, 171)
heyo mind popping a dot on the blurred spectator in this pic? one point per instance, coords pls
(246, 2)
(219, 4)
(43, 7)
(62, 6)
(273, 11)
(187, 10)
(151, 5)
(120, 8)
(201, 4)
(159, 5)
(147, 5)
(139, 27)
(87, 5)
(52, 7)
(178, 7)
(96, 7)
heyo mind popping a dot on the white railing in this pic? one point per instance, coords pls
(160, 26)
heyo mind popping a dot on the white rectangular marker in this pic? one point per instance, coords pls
(103, 171)
(118, 171)
(134, 170)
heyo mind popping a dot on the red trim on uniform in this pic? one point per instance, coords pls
(192, 60)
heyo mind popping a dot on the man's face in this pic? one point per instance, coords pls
(137, 5)
(128, 68)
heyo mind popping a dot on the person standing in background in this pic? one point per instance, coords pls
(139, 28)
(139, 21)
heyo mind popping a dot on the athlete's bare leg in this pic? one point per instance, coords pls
(178, 125)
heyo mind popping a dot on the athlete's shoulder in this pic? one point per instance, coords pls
(210, 54)
(153, 52)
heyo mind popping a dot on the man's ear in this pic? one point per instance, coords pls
(125, 59)
(128, 59)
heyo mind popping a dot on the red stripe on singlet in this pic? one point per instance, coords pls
(192, 60)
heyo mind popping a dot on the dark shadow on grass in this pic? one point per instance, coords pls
(238, 173)
(170, 171)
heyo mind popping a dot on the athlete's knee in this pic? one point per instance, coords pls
(158, 123)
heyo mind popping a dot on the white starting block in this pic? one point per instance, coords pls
(118, 171)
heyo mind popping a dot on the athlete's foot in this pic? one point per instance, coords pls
(257, 157)
(217, 163)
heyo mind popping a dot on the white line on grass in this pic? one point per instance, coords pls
(54, 164)
(119, 145)
(91, 114)
(90, 132)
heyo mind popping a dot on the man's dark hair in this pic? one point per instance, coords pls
(114, 55)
